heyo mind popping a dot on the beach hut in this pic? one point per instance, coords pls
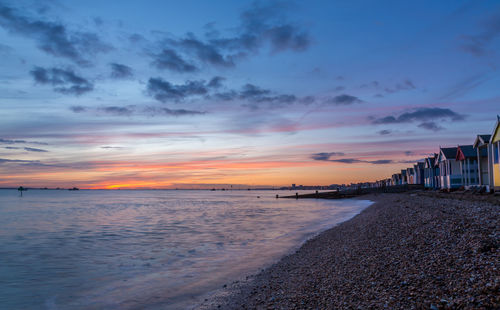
(410, 173)
(450, 176)
(430, 172)
(419, 172)
(404, 177)
(467, 159)
(482, 147)
(494, 155)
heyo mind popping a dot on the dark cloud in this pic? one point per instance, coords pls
(132, 110)
(111, 147)
(226, 96)
(207, 53)
(120, 111)
(430, 126)
(263, 24)
(32, 149)
(339, 88)
(384, 132)
(165, 91)
(478, 44)
(171, 60)
(54, 38)
(425, 115)
(326, 156)
(405, 85)
(162, 111)
(380, 162)
(250, 91)
(216, 82)
(408, 153)
(120, 71)
(12, 148)
(19, 161)
(307, 100)
(64, 81)
(343, 100)
(78, 109)
(9, 141)
(256, 95)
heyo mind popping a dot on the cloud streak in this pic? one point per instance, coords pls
(64, 81)
(54, 38)
(427, 117)
(120, 71)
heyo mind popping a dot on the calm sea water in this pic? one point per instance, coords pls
(145, 249)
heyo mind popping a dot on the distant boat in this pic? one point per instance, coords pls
(73, 189)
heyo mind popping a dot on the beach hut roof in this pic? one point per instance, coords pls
(482, 140)
(449, 152)
(495, 136)
(465, 151)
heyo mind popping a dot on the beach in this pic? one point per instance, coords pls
(406, 251)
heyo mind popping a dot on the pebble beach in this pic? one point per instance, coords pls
(406, 251)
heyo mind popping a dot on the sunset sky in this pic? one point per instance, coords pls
(183, 94)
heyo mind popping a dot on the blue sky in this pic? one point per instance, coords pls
(195, 93)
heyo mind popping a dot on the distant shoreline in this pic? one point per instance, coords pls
(405, 251)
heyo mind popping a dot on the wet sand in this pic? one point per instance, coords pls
(406, 251)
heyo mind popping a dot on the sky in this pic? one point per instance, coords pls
(201, 94)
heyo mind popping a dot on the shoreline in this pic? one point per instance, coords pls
(405, 251)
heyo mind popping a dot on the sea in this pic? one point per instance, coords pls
(147, 249)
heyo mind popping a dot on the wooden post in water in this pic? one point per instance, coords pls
(21, 189)
(296, 195)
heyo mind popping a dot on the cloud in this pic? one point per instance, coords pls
(216, 82)
(424, 115)
(120, 71)
(430, 126)
(32, 149)
(384, 132)
(165, 91)
(478, 44)
(343, 100)
(171, 60)
(132, 110)
(64, 81)
(120, 111)
(326, 156)
(207, 53)
(54, 38)
(19, 161)
(405, 85)
(78, 109)
(263, 24)
(154, 111)
(106, 147)
(9, 141)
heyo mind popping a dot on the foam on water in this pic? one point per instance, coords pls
(145, 249)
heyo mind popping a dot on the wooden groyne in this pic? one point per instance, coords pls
(349, 193)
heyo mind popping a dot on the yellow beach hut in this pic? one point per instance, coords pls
(495, 154)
